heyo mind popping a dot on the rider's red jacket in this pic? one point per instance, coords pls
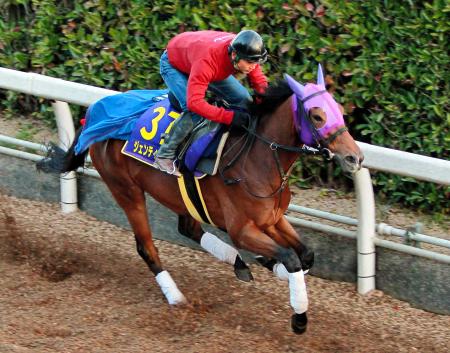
(203, 56)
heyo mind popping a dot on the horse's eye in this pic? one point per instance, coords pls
(317, 118)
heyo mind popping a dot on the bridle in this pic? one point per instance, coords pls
(319, 149)
(301, 112)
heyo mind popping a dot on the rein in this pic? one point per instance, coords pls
(274, 147)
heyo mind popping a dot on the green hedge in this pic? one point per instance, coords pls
(387, 61)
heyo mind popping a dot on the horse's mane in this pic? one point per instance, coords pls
(275, 94)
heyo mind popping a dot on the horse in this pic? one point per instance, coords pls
(249, 195)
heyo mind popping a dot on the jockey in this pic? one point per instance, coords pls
(195, 62)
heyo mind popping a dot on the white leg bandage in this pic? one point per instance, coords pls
(218, 248)
(280, 271)
(297, 290)
(170, 289)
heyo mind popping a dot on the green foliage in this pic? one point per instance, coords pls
(386, 61)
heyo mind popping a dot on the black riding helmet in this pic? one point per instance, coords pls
(249, 46)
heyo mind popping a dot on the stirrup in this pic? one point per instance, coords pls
(173, 170)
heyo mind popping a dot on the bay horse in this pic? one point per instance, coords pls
(250, 194)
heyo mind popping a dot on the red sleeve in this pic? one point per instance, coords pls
(199, 78)
(258, 80)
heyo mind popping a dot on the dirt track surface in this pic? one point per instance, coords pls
(74, 284)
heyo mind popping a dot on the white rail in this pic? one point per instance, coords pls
(36, 157)
(406, 164)
(378, 158)
(381, 228)
(51, 88)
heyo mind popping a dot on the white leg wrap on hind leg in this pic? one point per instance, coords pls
(218, 248)
(169, 288)
(297, 291)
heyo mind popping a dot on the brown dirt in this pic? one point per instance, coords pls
(70, 283)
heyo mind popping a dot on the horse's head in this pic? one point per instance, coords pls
(319, 121)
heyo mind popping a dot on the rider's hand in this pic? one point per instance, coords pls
(240, 119)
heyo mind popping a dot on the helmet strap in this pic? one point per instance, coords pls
(236, 58)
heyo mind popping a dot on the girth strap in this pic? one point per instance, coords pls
(193, 198)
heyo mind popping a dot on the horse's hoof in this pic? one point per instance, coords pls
(241, 270)
(299, 323)
(243, 274)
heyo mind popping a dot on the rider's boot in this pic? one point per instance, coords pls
(165, 158)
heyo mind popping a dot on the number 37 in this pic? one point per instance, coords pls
(148, 135)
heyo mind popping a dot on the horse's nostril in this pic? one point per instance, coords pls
(351, 160)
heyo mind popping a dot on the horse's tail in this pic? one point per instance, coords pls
(60, 161)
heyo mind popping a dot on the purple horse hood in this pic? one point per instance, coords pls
(311, 97)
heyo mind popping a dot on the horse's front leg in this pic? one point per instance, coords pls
(192, 229)
(251, 238)
(284, 233)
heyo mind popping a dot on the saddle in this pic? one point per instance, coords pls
(201, 151)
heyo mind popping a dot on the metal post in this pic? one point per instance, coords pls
(66, 134)
(365, 231)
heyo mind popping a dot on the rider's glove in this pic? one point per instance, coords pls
(240, 119)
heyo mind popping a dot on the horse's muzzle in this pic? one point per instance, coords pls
(351, 163)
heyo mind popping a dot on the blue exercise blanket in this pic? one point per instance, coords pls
(115, 116)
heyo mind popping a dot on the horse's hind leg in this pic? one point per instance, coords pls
(132, 200)
(192, 229)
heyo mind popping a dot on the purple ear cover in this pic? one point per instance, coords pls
(320, 79)
(295, 86)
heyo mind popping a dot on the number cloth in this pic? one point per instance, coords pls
(115, 116)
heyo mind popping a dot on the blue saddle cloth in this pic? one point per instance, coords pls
(149, 132)
(115, 116)
(141, 118)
